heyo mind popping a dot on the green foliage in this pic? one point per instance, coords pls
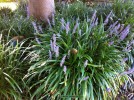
(12, 69)
(17, 25)
(75, 10)
(122, 11)
(75, 60)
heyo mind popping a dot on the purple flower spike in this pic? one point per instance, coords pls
(94, 16)
(40, 28)
(48, 21)
(107, 18)
(51, 45)
(54, 38)
(118, 26)
(96, 22)
(85, 63)
(57, 51)
(28, 13)
(121, 28)
(111, 43)
(54, 46)
(112, 28)
(65, 69)
(116, 29)
(35, 26)
(129, 46)
(113, 25)
(75, 27)
(37, 40)
(125, 59)
(108, 89)
(129, 71)
(62, 61)
(124, 33)
(53, 20)
(79, 32)
(50, 55)
(85, 78)
(67, 27)
(68, 54)
(62, 23)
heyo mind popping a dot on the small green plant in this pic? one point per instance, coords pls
(76, 60)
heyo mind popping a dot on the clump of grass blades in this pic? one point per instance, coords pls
(13, 66)
(76, 60)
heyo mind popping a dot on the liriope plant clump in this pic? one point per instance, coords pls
(13, 66)
(77, 60)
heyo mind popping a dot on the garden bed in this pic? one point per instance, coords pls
(86, 53)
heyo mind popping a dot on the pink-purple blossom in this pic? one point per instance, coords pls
(37, 40)
(48, 21)
(28, 12)
(75, 27)
(121, 27)
(94, 20)
(51, 45)
(108, 89)
(53, 20)
(50, 55)
(86, 63)
(54, 38)
(113, 25)
(65, 69)
(85, 78)
(35, 26)
(124, 33)
(62, 61)
(128, 72)
(107, 18)
(94, 16)
(57, 51)
(67, 27)
(125, 59)
(40, 28)
(129, 46)
(79, 32)
(111, 43)
(62, 23)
